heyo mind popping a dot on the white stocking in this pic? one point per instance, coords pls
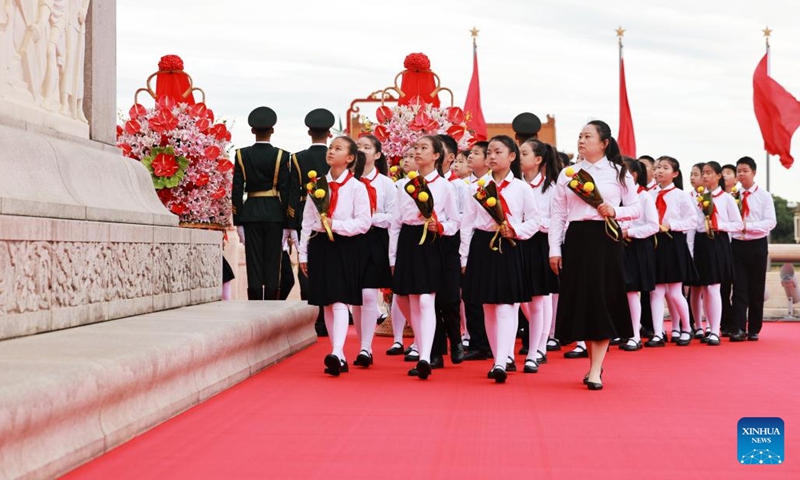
(534, 311)
(657, 309)
(697, 305)
(712, 301)
(490, 322)
(365, 317)
(636, 313)
(337, 321)
(507, 320)
(679, 310)
(423, 320)
(547, 322)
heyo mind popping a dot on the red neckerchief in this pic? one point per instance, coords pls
(714, 224)
(661, 204)
(453, 177)
(334, 188)
(745, 206)
(502, 199)
(641, 189)
(373, 194)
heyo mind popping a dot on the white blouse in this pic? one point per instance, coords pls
(522, 214)
(681, 213)
(647, 224)
(386, 193)
(406, 211)
(728, 217)
(761, 217)
(543, 199)
(351, 216)
(568, 207)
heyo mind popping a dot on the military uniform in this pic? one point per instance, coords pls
(261, 171)
(300, 164)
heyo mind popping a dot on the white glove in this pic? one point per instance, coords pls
(240, 232)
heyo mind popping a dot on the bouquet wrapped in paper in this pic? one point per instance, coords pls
(319, 193)
(417, 188)
(582, 183)
(396, 173)
(488, 197)
(705, 202)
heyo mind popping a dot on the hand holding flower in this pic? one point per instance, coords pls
(606, 210)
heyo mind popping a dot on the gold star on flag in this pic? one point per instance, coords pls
(474, 32)
(620, 32)
(767, 31)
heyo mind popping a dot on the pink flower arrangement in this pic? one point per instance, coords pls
(181, 142)
(400, 127)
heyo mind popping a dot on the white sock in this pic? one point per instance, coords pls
(490, 322)
(365, 317)
(581, 344)
(423, 307)
(680, 307)
(534, 311)
(657, 309)
(337, 321)
(697, 306)
(401, 312)
(636, 314)
(713, 305)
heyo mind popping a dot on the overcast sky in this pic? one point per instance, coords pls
(689, 64)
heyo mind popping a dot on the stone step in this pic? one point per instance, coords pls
(69, 396)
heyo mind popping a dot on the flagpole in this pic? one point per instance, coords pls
(767, 32)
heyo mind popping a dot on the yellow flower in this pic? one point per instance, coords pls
(705, 203)
(319, 193)
(491, 201)
(309, 186)
(481, 182)
(312, 174)
(393, 169)
(573, 183)
(423, 196)
(412, 174)
(700, 189)
(734, 190)
(738, 201)
(588, 186)
(410, 188)
(481, 195)
(569, 171)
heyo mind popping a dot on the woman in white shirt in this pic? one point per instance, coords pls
(333, 267)
(592, 304)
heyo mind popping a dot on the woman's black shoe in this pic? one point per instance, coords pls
(616, 341)
(713, 340)
(586, 378)
(531, 366)
(553, 345)
(423, 369)
(413, 356)
(511, 366)
(364, 359)
(397, 349)
(499, 375)
(578, 352)
(594, 386)
(541, 358)
(628, 347)
(333, 365)
(656, 341)
(684, 340)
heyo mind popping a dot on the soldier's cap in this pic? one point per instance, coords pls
(262, 118)
(320, 119)
(526, 124)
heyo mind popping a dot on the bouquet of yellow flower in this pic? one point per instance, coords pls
(319, 193)
(418, 189)
(582, 184)
(705, 203)
(396, 173)
(487, 197)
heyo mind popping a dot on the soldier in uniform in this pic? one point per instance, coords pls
(319, 122)
(262, 172)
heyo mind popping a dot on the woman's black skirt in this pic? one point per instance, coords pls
(335, 269)
(377, 273)
(593, 303)
(417, 268)
(714, 259)
(640, 265)
(450, 288)
(673, 261)
(536, 257)
(494, 277)
(227, 271)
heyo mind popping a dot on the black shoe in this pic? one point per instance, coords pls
(541, 358)
(530, 366)
(411, 357)
(407, 350)
(628, 347)
(382, 318)
(699, 333)
(713, 340)
(594, 386)
(423, 369)
(738, 336)
(333, 365)
(476, 355)
(553, 345)
(490, 374)
(586, 377)
(413, 372)
(437, 361)
(511, 366)
(682, 342)
(523, 351)
(616, 341)
(343, 368)
(364, 359)
(397, 349)
(578, 352)
(656, 341)
(499, 375)
(752, 337)
(673, 338)
(456, 353)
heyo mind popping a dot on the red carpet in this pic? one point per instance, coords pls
(664, 413)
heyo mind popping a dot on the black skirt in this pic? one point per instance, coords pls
(673, 261)
(640, 265)
(714, 259)
(536, 257)
(335, 269)
(593, 303)
(417, 268)
(377, 273)
(493, 277)
(450, 288)
(227, 271)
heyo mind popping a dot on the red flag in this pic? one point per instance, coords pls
(777, 112)
(626, 138)
(472, 105)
